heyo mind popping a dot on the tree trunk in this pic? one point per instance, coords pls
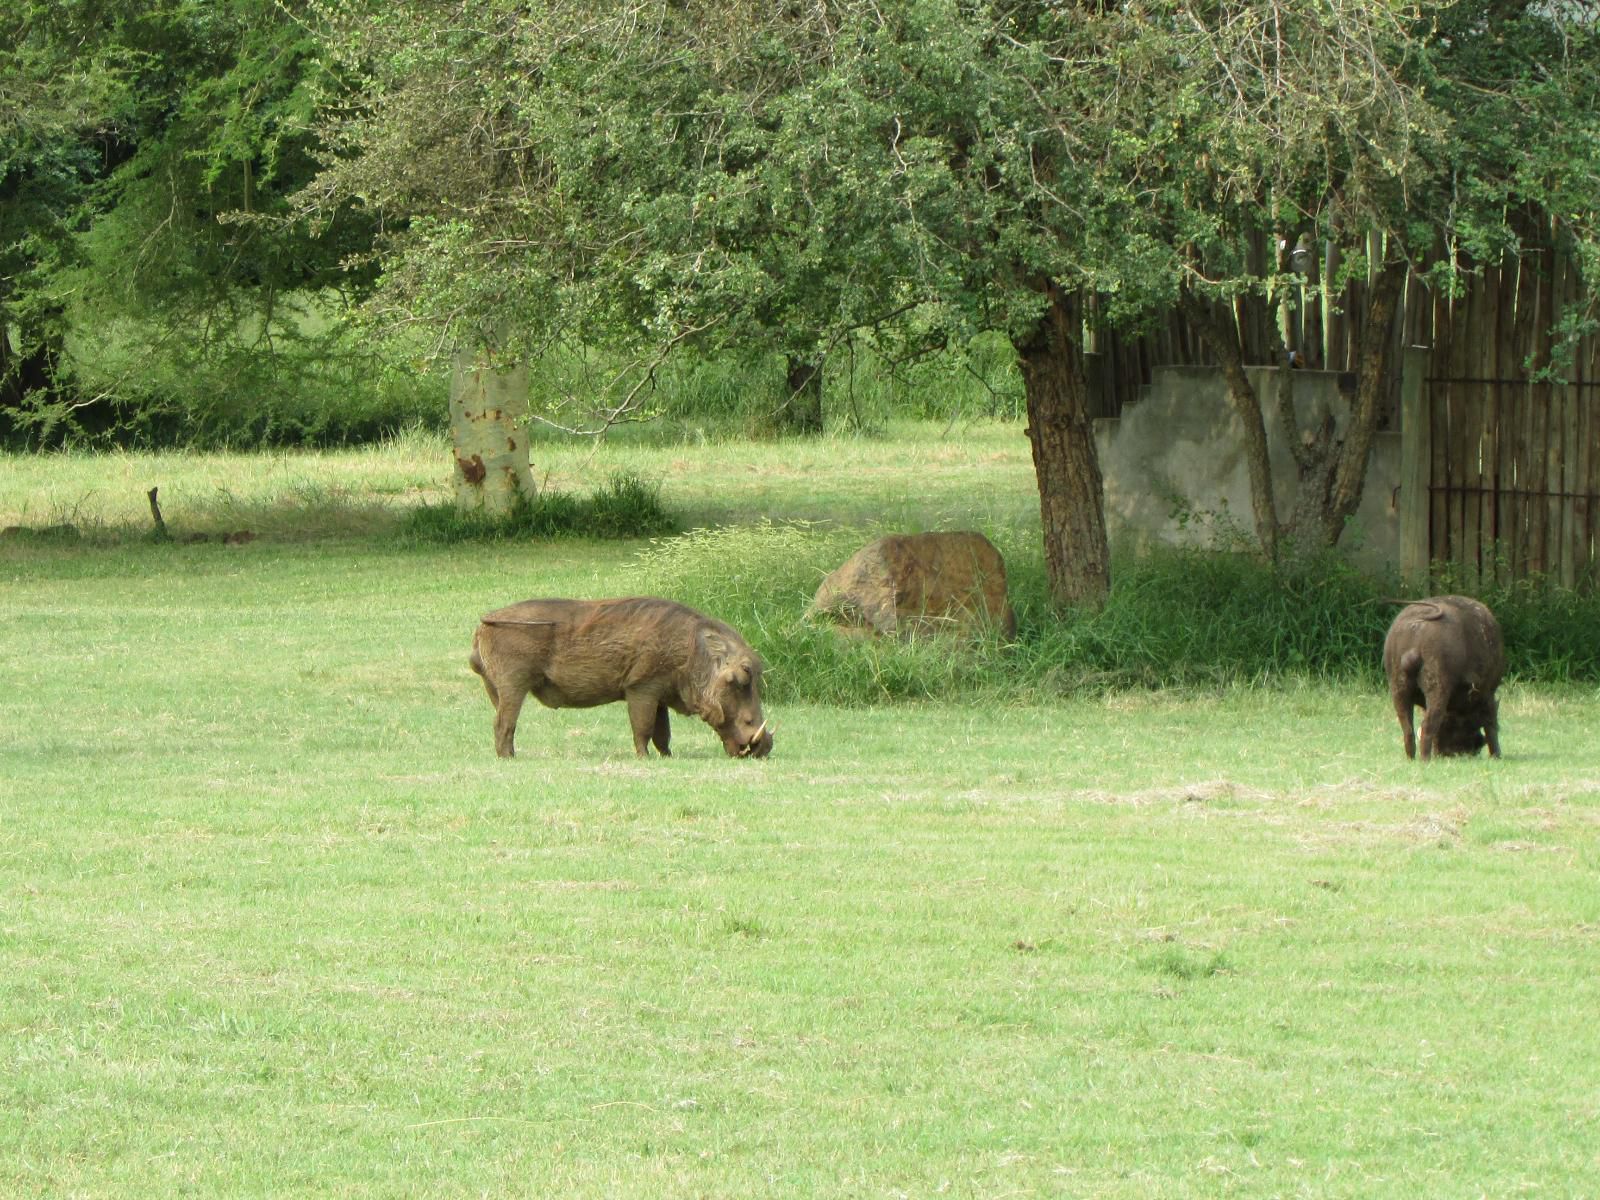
(31, 399)
(1315, 450)
(1330, 470)
(1377, 341)
(1065, 462)
(801, 411)
(1220, 334)
(487, 405)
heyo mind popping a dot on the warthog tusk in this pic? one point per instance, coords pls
(750, 746)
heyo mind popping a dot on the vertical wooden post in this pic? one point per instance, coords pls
(1416, 461)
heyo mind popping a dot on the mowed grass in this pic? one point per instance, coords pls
(274, 920)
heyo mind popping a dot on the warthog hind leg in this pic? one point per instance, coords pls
(506, 709)
(1403, 691)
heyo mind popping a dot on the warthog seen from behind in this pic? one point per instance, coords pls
(654, 654)
(1445, 653)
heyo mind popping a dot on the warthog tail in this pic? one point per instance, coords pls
(1435, 613)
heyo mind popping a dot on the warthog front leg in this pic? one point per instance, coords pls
(648, 716)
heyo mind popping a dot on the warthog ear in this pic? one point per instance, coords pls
(721, 665)
(714, 645)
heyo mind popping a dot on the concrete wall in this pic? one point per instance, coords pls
(1180, 449)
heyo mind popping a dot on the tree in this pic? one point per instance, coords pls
(56, 102)
(1377, 135)
(650, 175)
(957, 108)
(480, 139)
(1254, 130)
(628, 178)
(152, 150)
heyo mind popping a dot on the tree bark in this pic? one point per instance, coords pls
(31, 397)
(801, 412)
(1315, 451)
(1220, 334)
(487, 405)
(1377, 342)
(1065, 462)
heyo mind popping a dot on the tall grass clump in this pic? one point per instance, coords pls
(1205, 618)
(764, 573)
(625, 506)
(761, 578)
(1176, 618)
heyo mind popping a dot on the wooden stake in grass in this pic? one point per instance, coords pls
(161, 534)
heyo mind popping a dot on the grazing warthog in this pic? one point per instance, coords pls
(1445, 654)
(652, 653)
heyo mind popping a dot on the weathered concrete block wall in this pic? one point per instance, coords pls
(1180, 450)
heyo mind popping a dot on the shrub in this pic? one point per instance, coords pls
(1189, 617)
(300, 378)
(623, 507)
(1175, 619)
(760, 580)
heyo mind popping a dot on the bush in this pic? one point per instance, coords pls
(623, 507)
(1197, 618)
(301, 378)
(1175, 619)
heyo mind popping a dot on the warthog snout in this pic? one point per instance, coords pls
(753, 743)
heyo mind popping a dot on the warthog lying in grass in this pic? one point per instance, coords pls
(654, 654)
(1445, 653)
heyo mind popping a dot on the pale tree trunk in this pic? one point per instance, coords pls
(1316, 457)
(1061, 433)
(488, 404)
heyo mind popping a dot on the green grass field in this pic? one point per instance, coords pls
(919, 475)
(275, 921)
